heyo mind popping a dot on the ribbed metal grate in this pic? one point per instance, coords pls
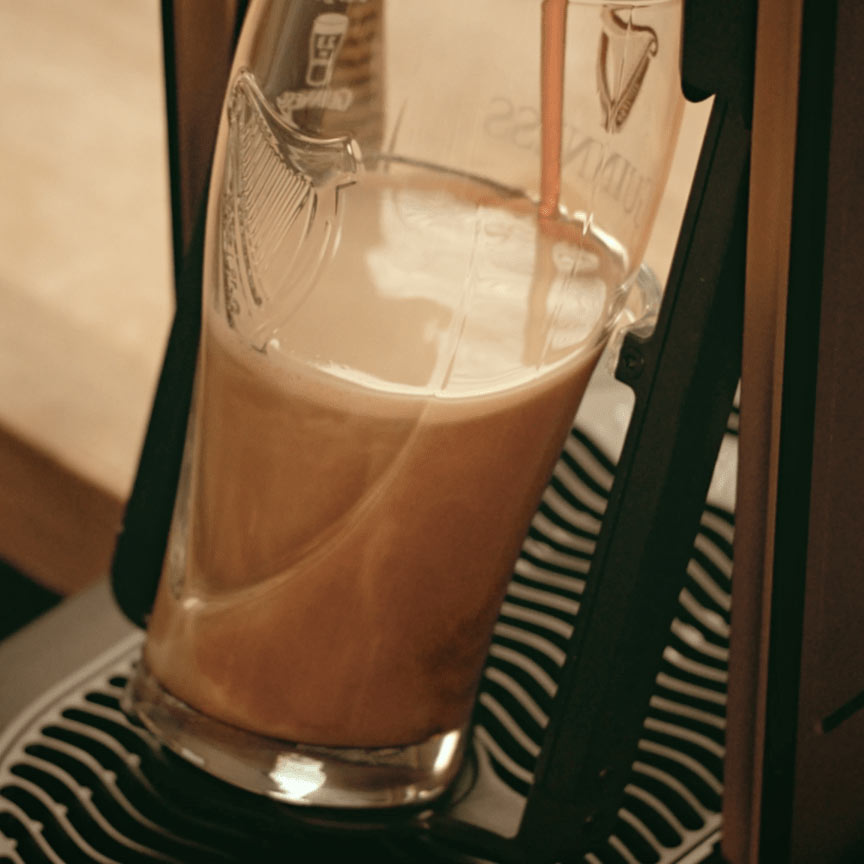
(79, 782)
(673, 800)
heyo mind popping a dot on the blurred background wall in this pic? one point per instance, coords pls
(85, 291)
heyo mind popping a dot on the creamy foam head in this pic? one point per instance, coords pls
(443, 286)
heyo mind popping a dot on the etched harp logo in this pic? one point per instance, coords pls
(622, 62)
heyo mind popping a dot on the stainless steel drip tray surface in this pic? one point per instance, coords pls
(79, 781)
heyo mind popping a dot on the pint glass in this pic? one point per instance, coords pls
(424, 222)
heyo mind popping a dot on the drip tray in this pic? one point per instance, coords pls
(81, 782)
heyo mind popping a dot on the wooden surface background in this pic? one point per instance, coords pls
(85, 294)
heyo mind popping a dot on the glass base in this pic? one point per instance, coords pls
(301, 774)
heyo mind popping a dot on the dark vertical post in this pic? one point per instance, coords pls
(198, 38)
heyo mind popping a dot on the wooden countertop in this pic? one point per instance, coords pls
(85, 269)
